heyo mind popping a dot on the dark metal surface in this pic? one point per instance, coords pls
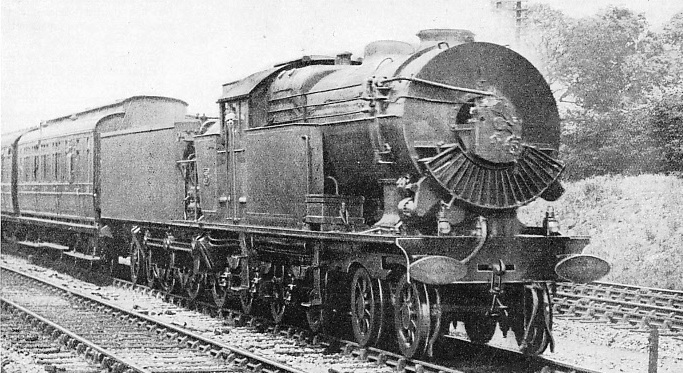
(507, 74)
(138, 175)
(9, 169)
(302, 158)
(494, 186)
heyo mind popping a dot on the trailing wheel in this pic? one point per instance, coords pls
(220, 286)
(369, 303)
(137, 259)
(412, 317)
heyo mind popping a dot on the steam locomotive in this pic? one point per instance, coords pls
(384, 187)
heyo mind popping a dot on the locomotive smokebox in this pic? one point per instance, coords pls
(453, 37)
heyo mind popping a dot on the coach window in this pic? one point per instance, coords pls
(72, 166)
(229, 114)
(35, 168)
(43, 167)
(76, 170)
(57, 164)
(25, 168)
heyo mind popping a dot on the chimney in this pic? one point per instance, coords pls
(452, 37)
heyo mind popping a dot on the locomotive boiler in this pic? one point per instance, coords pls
(385, 187)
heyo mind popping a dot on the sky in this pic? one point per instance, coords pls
(58, 57)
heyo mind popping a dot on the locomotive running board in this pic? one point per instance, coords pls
(77, 227)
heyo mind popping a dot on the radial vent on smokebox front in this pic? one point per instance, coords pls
(486, 184)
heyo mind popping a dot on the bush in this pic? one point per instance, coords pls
(667, 124)
(616, 142)
(635, 223)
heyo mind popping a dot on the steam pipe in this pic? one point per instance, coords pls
(440, 85)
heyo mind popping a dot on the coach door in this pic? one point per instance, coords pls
(234, 117)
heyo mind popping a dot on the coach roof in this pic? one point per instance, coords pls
(85, 121)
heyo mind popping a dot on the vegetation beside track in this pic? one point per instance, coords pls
(635, 222)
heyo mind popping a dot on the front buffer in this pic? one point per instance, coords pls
(487, 282)
(522, 258)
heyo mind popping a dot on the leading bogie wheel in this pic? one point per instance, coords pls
(480, 328)
(412, 317)
(532, 320)
(368, 306)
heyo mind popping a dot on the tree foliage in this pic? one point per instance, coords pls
(618, 84)
(666, 122)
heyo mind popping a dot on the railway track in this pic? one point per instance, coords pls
(625, 306)
(119, 340)
(469, 354)
(174, 307)
(25, 338)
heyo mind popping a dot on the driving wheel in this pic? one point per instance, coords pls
(411, 317)
(368, 306)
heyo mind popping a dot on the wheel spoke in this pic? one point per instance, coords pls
(367, 307)
(219, 290)
(412, 318)
(532, 320)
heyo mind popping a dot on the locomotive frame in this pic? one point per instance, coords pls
(383, 188)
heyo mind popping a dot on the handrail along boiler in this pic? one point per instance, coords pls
(385, 187)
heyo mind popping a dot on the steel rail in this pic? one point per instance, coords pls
(628, 306)
(181, 335)
(350, 348)
(102, 352)
(637, 294)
